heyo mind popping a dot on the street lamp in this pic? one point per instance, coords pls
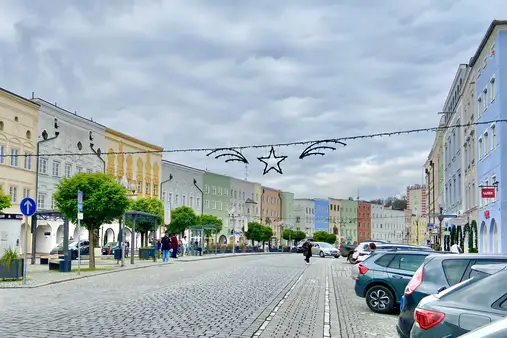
(440, 219)
(45, 138)
(97, 152)
(233, 215)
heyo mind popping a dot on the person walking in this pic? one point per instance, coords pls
(166, 246)
(184, 245)
(174, 245)
(307, 250)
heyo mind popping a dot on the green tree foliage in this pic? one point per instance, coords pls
(5, 200)
(104, 200)
(209, 220)
(299, 235)
(324, 236)
(288, 234)
(254, 232)
(150, 205)
(266, 234)
(181, 218)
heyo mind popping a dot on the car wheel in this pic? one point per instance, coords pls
(321, 254)
(380, 299)
(351, 259)
(337, 256)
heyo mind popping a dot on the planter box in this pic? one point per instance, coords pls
(146, 253)
(14, 270)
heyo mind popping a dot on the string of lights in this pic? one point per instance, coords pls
(257, 146)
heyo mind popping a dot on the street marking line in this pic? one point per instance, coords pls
(327, 312)
(275, 310)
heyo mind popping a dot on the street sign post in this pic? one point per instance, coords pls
(27, 208)
(79, 218)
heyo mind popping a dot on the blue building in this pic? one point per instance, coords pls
(321, 214)
(491, 96)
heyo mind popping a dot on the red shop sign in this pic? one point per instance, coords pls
(488, 192)
(486, 214)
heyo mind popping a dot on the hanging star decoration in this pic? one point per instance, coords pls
(269, 159)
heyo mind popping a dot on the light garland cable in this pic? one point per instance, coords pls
(257, 146)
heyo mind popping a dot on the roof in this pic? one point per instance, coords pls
(485, 39)
(74, 114)
(19, 97)
(182, 166)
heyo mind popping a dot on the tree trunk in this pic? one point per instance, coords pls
(91, 263)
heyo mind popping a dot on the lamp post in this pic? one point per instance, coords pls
(45, 138)
(163, 182)
(440, 219)
(129, 187)
(202, 196)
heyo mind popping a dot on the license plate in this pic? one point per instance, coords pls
(402, 303)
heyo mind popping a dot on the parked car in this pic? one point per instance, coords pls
(108, 248)
(84, 249)
(465, 306)
(497, 329)
(362, 248)
(382, 278)
(383, 247)
(324, 249)
(437, 273)
(347, 250)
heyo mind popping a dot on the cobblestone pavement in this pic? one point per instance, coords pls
(250, 296)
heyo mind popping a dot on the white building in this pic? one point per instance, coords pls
(76, 134)
(182, 185)
(387, 224)
(242, 205)
(304, 212)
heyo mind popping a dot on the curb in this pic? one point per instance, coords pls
(133, 268)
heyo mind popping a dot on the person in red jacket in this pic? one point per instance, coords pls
(175, 244)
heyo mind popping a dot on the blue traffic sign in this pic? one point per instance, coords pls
(28, 206)
(79, 201)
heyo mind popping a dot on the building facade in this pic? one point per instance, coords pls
(433, 191)
(217, 202)
(348, 220)
(288, 220)
(377, 221)
(393, 225)
(363, 221)
(271, 211)
(18, 136)
(257, 198)
(334, 218)
(242, 202)
(76, 134)
(304, 211)
(491, 95)
(321, 208)
(180, 186)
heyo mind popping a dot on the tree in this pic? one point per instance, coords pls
(209, 220)
(299, 235)
(182, 218)
(378, 201)
(266, 234)
(150, 205)
(331, 238)
(288, 235)
(254, 232)
(323, 236)
(104, 200)
(5, 200)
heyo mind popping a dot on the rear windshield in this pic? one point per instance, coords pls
(454, 269)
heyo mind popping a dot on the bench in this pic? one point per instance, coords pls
(44, 260)
(60, 264)
(54, 264)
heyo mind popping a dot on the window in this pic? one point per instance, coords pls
(183, 199)
(486, 144)
(79, 169)
(479, 274)
(28, 161)
(164, 195)
(407, 262)
(213, 205)
(226, 192)
(155, 190)
(139, 187)
(454, 269)
(191, 200)
(220, 205)
(493, 137)
(13, 191)
(68, 170)
(2, 153)
(176, 199)
(146, 188)
(492, 89)
(170, 197)
(206, 189)
(214, 190)
(220, 191)
(14, 157)
(480, 148)
(56, 169)
(41, 201)
(26, 193)
(235, 194)
(493, 180)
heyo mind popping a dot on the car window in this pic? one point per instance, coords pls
(407, 262)
(480, 274)
(503, 305)
(454, 269)
(365, 246)
(385, 260)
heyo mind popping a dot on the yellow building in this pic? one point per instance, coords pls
(142, 170)
(418, 234)
(18, 136)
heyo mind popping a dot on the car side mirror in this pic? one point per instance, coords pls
(441, 289)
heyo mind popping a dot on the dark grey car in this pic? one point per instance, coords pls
(496, 329)
(465, 306)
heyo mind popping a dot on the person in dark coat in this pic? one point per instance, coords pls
(307, 250)
(175, 244)
(166, 246)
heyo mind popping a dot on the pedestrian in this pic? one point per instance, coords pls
(159, 248)
(166, 246)
(174, 245)
(184, 244)
(307, 250)
(127, 247)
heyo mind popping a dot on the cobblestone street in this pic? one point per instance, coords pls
(251, 296)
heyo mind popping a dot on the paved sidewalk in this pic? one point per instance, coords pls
(39, 275)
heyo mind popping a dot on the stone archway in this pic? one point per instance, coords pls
(109, 236)
(43, 238)
(59, 234)
(493, 237)
(483, 238)
(222, 239)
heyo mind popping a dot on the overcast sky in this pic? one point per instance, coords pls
(183, 74)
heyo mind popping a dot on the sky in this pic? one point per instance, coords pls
(203, 74)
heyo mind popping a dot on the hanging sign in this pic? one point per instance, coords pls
(488, 192)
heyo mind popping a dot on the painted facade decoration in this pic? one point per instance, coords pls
(321, 214)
